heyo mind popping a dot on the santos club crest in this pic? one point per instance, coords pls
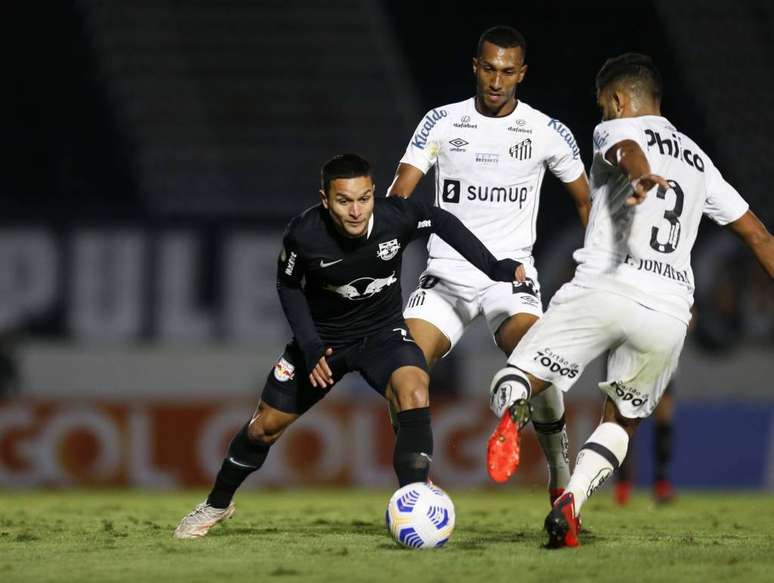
(388, 250)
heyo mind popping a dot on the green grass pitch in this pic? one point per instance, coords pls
(339, 535)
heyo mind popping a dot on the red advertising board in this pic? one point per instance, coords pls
(168, 445)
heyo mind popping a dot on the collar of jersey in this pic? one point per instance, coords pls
(513, 113)
(332, 229)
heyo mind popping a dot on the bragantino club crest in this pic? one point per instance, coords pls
(388, 250)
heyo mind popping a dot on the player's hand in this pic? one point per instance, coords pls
(321, 375)
(508, 270)
(642, 185)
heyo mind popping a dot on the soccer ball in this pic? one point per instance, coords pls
(420, 516)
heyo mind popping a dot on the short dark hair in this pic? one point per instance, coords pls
(636, 68)
(502, 36)
(343, 166)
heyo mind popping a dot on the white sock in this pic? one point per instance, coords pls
(599, 457)
(548, 420)
(508, 386)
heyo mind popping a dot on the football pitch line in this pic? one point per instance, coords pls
(339, 535)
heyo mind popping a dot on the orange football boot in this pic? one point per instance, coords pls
(503, 449)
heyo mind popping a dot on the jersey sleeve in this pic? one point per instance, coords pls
(422, 150)
(290, 273)
(414, 216)
(723, 204)
(425, 218)
(609, 133)
(289, 267)
(564, 159)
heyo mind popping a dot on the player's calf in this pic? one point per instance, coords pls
(599, 457)
(247, 452)
(245, 455)
(550, 428)
(408, 391)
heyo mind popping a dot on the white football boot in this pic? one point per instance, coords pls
(201, 519)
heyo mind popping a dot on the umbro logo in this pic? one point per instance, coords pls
(458, 143)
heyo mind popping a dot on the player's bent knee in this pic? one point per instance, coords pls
(414, 398)
(268, 424)
(513, 330)
(430, 339)
(409, 388)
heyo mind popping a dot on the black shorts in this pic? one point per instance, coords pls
(375, 357)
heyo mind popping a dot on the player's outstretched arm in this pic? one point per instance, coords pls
(461, 239)
(406, 179)
(581, 195)
(631, 160)
(756, 236)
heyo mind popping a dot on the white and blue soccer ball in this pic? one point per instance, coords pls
(420, 516)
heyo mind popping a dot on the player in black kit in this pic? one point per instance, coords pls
(347, 316)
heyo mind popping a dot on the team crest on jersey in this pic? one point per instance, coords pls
(388, 250)
(521, 150)
(284, 371)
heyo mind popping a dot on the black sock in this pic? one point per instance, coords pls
(413, 446)
(243, 458)
(662, 450)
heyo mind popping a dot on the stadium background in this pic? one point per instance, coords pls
(155, 150)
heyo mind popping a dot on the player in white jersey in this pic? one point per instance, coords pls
(490, 154)
(633, 287)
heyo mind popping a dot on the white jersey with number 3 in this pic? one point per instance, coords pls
(644, 251)
(488, 171)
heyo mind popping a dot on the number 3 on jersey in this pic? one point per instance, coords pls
(673, 216)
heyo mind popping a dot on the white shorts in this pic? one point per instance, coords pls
(451, 294)
(582, 323)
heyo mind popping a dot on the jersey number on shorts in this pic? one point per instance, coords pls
(525, 287)
(673, 217)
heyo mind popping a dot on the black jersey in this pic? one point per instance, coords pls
(351, 287)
